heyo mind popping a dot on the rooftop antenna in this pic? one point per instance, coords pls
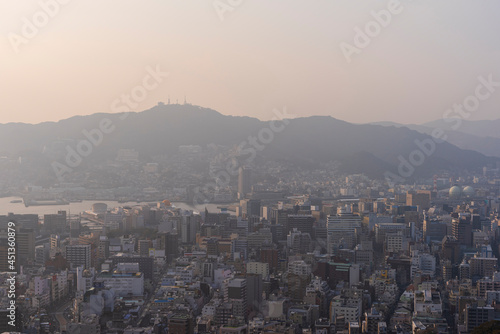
(169, 99)
(184, 99)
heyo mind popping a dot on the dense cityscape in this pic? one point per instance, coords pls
(311, 252)
(248, 167)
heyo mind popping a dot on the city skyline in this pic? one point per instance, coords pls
(244, 167)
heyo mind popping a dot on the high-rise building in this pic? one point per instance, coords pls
(4, 246)
(259, 268)
(451, 249)
(188, 228)
(303, 223)
(79, 255)
(372, 318)
(171, 246)
(434, 230)
(476, 315)
(103, 249)
(250, 208)
(260, 238)
(482, 266)
(75, 228)
(464, 270)
(462, 231)
(239, 247)
(253, 221)
(420, 199)
(244, 181)
(343, 229)
(270, 256)
(347, 306)
(254, 291)
(27, 220)
(42, 254)
(25, 241)
(93, 240)
(278, 233)
(299, 242)
(236, 294)
(447, 270)
(280, 216)
(143, 247)
(55, 241)
(382, 229)
(55, 222)
(223, 313)
(212, 249)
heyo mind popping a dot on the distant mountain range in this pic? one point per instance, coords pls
(485, 128)
(480, 136)
(372, 149)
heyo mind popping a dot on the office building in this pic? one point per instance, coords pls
(103, 248)
(55, 222)
(462, 231)
(171, 246)
(421, 199)
(236, 294)
(143, 247)
(188, 228)
(42, 254)
(343, 229)
(244, 181)
(145, 263)
(21, 220)
(126, 279)
(303, 223)
(79, 255)
(181, 323)
(476, 315)
(434, 230)
(25, 242)
(75, 228)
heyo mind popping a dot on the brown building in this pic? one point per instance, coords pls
(270, 256)
(462, 231)
(297, 286)
(450, 249)
(482, 266)
(181, 324)
(420, 199)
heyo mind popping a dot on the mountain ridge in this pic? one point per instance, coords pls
(361, 148)
(484, 143)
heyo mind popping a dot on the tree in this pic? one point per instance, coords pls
(490, 327)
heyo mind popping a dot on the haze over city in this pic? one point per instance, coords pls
(247, 167)
(259, 56)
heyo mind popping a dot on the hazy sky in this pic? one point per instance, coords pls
(262, 55)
